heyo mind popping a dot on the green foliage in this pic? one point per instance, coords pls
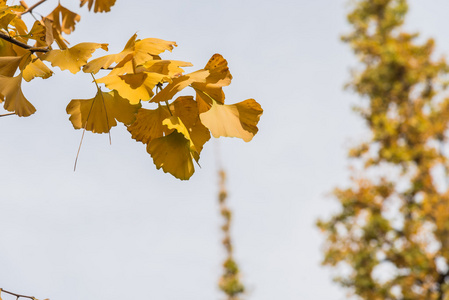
(390, 237)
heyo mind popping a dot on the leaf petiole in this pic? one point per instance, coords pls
(104, 105)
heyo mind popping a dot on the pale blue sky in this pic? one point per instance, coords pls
(118, 228)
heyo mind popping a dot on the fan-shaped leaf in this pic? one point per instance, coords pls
(64, 20)
(186, 109)
(170, 68)
(135, 52)
(106, 61)
(42, 33)
(174, 152)
(73, 58)
(6, 48)
(36, 68)
(100, 5)
(100, 113)
(212, 88)
(5, 19)
(9, 65)
(134, 87)
(38, 32)
(236, 120)
(146, 49)
(14, 100)
(179, 84)
(148, 124)
(20, 30)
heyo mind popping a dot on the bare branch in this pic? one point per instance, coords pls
(20, 44)
(17, 295)
(30, 9)
(5, 115)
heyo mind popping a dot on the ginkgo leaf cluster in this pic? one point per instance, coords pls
(140, 86)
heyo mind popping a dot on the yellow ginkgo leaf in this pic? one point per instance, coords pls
(179, 84)
(20, 30)
(236, 120)
(134, 80)
(219, 71)
(74, 58)
(49, 36)
(102, 112)
(186, 109)
(204, 99)
(136, 53)
(38, 33)
(170, 68)
(8, 14)
(6, 48)
(14, 100)
(174, 152)
(64, 20)
(209, 81)
(106, 61)
(134, 87)
(5, 19)
(9, 65)
(36, 68)
(9, 8)
(146, 49)
(212, 88)
(42, 33)
(176, 123)
(63, 44)
(100, 5)
(148, 124)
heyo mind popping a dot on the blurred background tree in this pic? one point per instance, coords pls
(230, 283)
(390, 238)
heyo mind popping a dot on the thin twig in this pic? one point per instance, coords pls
(79, 149)
(17, 295)
(82, 137)
(158, 89)
(105, 110)
(168, 107)
(5, 115)
(30, 9)
(22, 45)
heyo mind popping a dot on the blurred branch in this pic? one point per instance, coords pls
(230, 282)
(441, 280)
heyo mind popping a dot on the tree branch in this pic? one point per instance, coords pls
(10, 114)
(17, 295)
(30, 9)
(22, 45)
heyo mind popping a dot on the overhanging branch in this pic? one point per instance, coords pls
(22, 45)
(17, 295)
(30, 9)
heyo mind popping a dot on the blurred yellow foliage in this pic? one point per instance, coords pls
(394, 216)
